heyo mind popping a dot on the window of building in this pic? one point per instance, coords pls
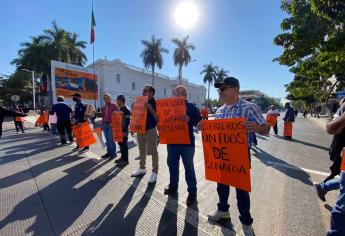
(165, 91)
(133, 86)
(118, 78)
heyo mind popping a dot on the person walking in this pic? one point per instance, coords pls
(7, 113)
(289, 117)
(274, 112)
(63, 115)
(108, 108)
(185, 151)
(254, 122)
(18, 120)
(79, 115)
(121, 102)
(150, 137)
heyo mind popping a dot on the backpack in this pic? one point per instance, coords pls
(90, 111)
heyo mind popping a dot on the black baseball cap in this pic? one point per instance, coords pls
(78, 95)
(229, 81)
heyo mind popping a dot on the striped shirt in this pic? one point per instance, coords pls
(250, 111)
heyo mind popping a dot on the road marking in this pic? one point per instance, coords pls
(294, 167)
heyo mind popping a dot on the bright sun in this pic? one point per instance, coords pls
(186, 14)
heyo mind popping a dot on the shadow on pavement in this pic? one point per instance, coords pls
(304, 143)
(61, 199)
(293, 172)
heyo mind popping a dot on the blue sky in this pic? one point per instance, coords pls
(234, 34)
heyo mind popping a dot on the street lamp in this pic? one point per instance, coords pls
(33, 86)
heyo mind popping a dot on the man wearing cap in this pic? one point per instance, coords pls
(108, 108)
(79, 112)
(274, 112)
(289, 116)
(185, 151)
(255, 123)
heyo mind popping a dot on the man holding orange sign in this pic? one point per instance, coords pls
(253, 122)
(272, 117)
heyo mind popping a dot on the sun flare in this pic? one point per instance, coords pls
(186, 14)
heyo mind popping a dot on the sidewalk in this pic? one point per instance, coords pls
(321, 122)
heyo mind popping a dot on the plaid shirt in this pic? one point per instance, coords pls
(245, 109)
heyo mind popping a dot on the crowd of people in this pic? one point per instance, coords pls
(233, 107)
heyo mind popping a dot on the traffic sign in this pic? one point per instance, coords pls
(15, 98)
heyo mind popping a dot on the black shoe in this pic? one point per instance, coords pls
(118, 160)
(84, 149)
(191, 199)
(122, 164)
(63, 142)
(111, 158)
(170, 190)
(76, 148)
(320, 192)
(105, 156)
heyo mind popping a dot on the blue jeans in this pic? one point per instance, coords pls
(329, 185)
(108, 133)
(338, 212)
(243, 202)
(187, 155)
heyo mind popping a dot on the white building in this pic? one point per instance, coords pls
(116, 77)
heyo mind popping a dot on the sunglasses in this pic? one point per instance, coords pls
(221, 89)
(106, 98)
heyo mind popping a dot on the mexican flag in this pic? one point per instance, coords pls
(93, 24)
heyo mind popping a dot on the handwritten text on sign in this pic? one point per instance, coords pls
(116, 125)
(172, 130)
(139, 115)
(226, 152)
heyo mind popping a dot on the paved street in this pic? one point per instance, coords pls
(47, 189)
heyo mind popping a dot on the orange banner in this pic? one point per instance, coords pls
(171, 129)
(287, 129)
(68, 82)
(40, 120)
(83, 134)
(226, 152)
(139, 115)
(116, 125)
(19, 119)
(271, 120)
(342, 167)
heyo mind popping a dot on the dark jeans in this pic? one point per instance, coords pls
(19, 125)
(124, 149)
(46, 127)
(187, 155)
(63, 126)
(338, 211)
(243, 202)
(275, 128)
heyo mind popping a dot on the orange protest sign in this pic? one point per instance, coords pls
(139, 115)
(45, 117)
(287, 129)
(19, 119)
(226, 152)
(271, 120)
(40, 120)
(83, 134)
(172, 130)
(342, 167)
(116, 125)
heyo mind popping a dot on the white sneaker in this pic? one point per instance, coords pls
(218, 215)
(247, 230)
(139, 172)
(153, 178)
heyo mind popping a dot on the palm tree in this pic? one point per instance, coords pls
(181, 54)
(152, 55)
(75, 49)
(221, 74)
(210, 75)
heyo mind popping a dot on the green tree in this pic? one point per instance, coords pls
(181, 54)
(210, 75)
(221, 74)
(152, 55)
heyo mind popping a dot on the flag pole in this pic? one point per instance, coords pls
(93, 58)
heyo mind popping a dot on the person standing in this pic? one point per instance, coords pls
(63, 115)
(18, 120)
(150, 136)
(121, 102)
(289, 116)
(274, 112)
(79, 115)
(185, 151)
(233, 108)
(108, 108)
(4, 112)
(204, 112)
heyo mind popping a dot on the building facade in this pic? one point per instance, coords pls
(116, 77)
